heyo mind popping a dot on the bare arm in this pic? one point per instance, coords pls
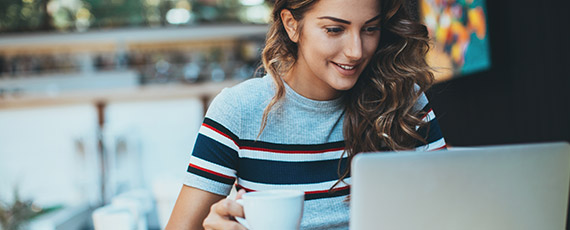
(191, 208)
(198, 209)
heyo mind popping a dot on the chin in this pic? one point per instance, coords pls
(346, 83)
(345, 87)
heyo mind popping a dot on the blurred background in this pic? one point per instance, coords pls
(101, 100)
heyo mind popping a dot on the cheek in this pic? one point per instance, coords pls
(319, 48)
(370, 45)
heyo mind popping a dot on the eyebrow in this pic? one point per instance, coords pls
(347, 22)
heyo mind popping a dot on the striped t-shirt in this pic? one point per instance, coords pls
(300, 148)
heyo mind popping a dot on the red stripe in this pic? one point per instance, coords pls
(292, 151)
(325, 191)
(210, 171)
(307, 192)
(220, 132)
(244, 188)
(425, 115)
(440, 148)
(271, 150)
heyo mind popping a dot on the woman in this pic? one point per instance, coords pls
(344, 77)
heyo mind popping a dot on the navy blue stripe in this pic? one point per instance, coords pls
(431, 132)
(221, 128)
(278, 172)
(327, 194)
(210, 150)
(291, 147)
(210, 176)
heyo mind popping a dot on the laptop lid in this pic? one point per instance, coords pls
(496, 187)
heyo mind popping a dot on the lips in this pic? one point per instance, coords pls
(347, 70)
(345, 67)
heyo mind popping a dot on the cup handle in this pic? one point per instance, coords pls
(240, 220)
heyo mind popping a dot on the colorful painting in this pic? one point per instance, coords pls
(459, 36)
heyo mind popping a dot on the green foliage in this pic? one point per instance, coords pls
(23, 15)
(80, 15)
(12, 217)
(116, 13)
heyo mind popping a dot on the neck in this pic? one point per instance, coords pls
(314, 90)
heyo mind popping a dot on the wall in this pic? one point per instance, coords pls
(150, 143)
(49, 158)
(49, 153)
(524, 96)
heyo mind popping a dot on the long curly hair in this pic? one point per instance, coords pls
(380, 114)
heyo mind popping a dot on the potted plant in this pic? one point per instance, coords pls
(14, 216)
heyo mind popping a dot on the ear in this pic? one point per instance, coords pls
(290, 25)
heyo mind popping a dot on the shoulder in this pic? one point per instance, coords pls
(422, 103)
(234, 104)
(431, 131)
(249, 91)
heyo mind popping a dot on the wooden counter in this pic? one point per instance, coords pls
(204, 91)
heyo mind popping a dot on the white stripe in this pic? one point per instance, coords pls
(290, 157)
(303, 187)
(218, 137)
(431, 146)
(430, 116)
(212, 167)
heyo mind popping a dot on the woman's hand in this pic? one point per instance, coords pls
(222, 214)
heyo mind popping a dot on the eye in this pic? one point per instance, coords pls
(371, 29)
(333, 30)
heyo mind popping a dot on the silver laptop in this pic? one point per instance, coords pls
(497, 187)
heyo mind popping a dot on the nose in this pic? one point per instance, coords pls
(353, 48)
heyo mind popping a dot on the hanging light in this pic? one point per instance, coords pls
(178, 16)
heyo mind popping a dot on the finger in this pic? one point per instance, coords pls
(214, 222)
(221, 216)
(228, 208)
(240, 194)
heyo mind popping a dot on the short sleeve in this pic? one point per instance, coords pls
(431, 132)
(214, 160)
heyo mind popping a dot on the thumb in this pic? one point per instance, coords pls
(240, 194)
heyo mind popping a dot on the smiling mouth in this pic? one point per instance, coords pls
(345, 67)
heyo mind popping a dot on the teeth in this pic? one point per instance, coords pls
(346, 67)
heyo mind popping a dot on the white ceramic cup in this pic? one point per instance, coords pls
(272, 209)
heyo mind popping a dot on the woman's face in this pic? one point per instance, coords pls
(337, 40)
